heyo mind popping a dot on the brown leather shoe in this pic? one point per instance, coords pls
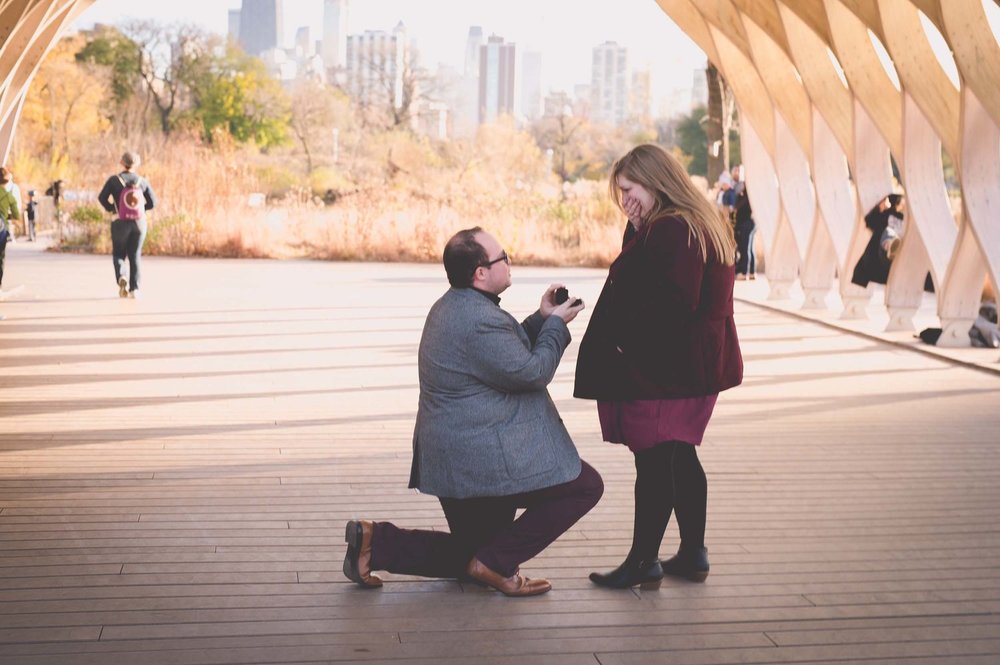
(515, 585)
(358, 560)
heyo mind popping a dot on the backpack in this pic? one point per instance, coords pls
(131, 200)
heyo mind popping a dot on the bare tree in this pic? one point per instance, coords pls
(556, 133)
(169, 58)
(315, 110)
(389, 97)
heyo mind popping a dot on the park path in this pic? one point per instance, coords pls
(175, 473)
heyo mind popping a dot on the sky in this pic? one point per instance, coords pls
(440, 28)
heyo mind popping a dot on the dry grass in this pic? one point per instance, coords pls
(407, 215)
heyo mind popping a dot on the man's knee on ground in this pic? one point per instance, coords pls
(593, 486)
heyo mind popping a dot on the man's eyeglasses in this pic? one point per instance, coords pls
(503, 257)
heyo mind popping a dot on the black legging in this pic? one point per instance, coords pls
(668, 478)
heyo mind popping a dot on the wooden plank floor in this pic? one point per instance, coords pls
(175, 473)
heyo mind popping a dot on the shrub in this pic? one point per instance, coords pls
(87, 230)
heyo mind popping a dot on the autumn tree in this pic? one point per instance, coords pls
(61, 110)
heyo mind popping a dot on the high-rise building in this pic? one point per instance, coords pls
(234, 25)
(303, 43)
(496, 79)
(640, 95)
(472, 45)
(464, 93)
(699, 88)
(376, 63)
(581, 100)
(335, 28)
(558, 103)
(609, 84)
(531, 85)
(260, 25)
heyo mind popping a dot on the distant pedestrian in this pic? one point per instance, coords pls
(9, 209)
(15, 191)
(128, 196)
(30, 211)
(745, 229)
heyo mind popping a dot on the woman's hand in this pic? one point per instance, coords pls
(633, 209)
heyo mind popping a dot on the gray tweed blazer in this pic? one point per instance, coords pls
(486, 425)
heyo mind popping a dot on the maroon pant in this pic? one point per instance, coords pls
(485, 527)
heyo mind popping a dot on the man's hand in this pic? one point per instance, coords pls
(568, 311)
(549, 300)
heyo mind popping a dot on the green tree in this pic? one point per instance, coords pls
(110, 48)
(691, 139)
(234, 93)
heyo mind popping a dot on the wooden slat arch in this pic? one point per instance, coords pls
(29, 29)
(782, 43)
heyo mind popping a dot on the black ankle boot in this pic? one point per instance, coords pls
(629, 574)
(691, 564)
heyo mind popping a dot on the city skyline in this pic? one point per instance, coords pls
(440, 30)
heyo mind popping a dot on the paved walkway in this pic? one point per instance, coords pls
(175, 473)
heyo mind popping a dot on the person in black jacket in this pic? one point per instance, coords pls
(128, 230)
(746, 229)
(873, 266)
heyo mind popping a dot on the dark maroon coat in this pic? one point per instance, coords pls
(663, 327)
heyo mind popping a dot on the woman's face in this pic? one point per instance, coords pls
(636, 192)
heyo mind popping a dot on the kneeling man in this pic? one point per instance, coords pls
(488, 439)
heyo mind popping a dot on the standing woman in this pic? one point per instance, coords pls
(746, 228)
(659, 348)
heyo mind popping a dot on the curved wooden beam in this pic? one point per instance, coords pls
(34, 33)
(977, 54)
(784, 251)
(757, 133)
(920, 72)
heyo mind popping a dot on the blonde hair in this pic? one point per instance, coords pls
(673, 193)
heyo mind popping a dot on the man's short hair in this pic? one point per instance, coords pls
(130, 159)
(4, 175)
(462, 255)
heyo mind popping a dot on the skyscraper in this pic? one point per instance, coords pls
(496, 79)
(472, 44)
(303, 43)
(376, 62)
(336, 14)
(531, 85)
(609, 84)
(234, 25)
(261, 25)
(465, 97)
(640, 95)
